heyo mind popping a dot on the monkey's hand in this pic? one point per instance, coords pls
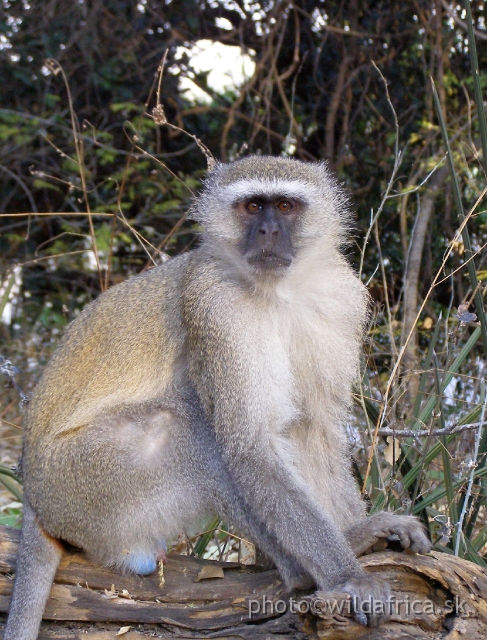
(369, 604)
(376, 532)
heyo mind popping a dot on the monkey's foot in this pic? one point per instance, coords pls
(370, 599)
(376, 532)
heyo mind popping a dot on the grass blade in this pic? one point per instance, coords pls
(13, 486)
(425, 414)
(470, 263)
(410, 476)
(204, 539)
(474, 64)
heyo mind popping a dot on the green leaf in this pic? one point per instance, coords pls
(42, 184)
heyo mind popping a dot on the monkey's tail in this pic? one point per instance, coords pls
(37, 561)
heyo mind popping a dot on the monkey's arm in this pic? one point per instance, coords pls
(246, 403)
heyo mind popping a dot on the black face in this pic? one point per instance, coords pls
(270, 221)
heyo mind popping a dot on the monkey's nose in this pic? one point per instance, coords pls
(269, 230)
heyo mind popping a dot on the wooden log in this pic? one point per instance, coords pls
(83, 591)
(434, 596)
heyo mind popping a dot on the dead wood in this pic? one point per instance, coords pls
(435, 596)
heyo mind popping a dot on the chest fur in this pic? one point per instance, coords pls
(309, 359)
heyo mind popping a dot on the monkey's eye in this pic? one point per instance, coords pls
(253, 206)
(284, 205)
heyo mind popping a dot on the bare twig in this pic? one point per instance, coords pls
(398, 156)
(461, 23)
(22, 185)
(421, 433)
(395, 369)
(10, 371)
(55, 68)
(159, 117)
(56, 214)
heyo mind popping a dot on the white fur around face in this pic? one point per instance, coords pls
(243, 189)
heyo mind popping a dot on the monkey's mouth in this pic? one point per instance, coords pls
(269, 261)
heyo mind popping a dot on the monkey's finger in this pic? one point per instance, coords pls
(361, 618)
(380, 545)
(420, 543)
(403, 536)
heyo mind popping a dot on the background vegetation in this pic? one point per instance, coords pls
(93, 191)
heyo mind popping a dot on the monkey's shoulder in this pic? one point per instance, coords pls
(123, 342)
(126, 321)
(138, 298)
(149, 287)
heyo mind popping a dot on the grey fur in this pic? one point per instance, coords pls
(206, 385)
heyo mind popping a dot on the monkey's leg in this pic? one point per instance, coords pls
(130, 479)
(37, 561)
(369, 532)
(164, 469)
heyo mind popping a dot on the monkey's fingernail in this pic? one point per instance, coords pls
(361, 618)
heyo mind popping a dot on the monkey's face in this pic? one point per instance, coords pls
(268, 223)
(265, 216)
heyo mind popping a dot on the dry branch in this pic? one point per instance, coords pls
(417, 433)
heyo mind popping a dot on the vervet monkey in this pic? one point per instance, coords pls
(218, 382)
